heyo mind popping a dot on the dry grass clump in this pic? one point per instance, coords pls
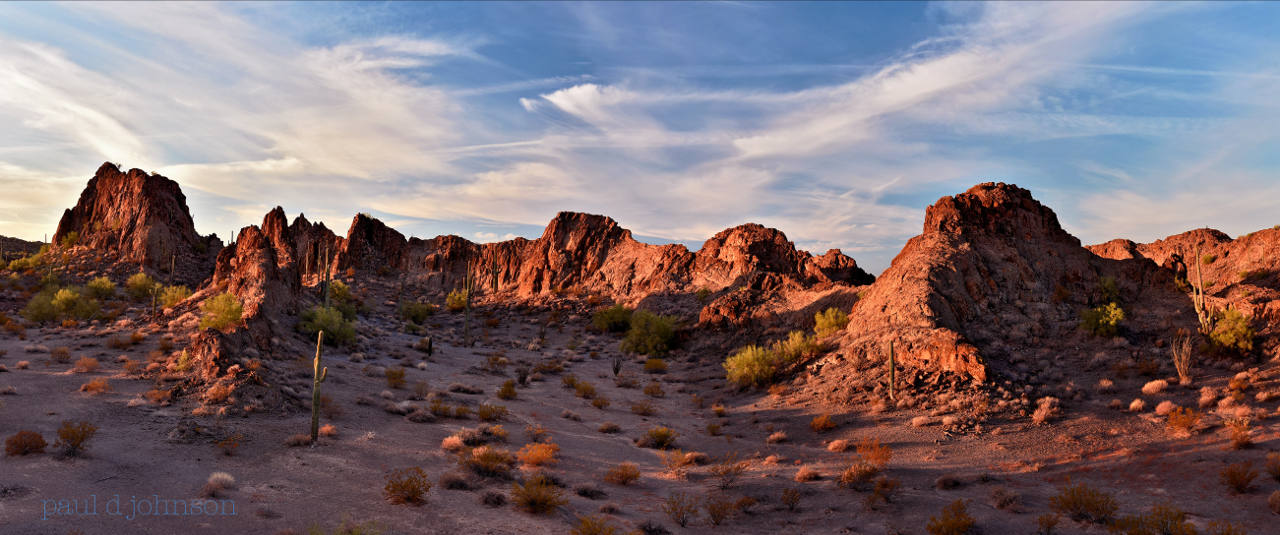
(73, 438)
(790, 498)
(623, 474)
(539, 495)
(298, 440)
(953, 520)
(1046, 408)
(593, 525)
(805, 474)
(1183, 421)
(643, 407)
(407, 486)
(1155, 387)
(873, 452)
(507, 390)
(718, 509)
(86, 365)
(96, 386)
(680, 508)
(395, 377)
(60, 354)
(1238, 477)
(655, 365)
(609, 428)
(24, 443)
(677, 462)
(728, 470)
(452, 444)
(1162, 519)
(822, 423)
(659, 438)
(1273, 502)
(584, 390)
(600, 402)
(217, 483)
(491, 413)
(538, 454)
(1273, 465)
(713, 429)
(654, 390)
(1241, 433)
(1082, 503)
(776, 437)
(487, 461)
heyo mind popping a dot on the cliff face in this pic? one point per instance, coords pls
(139, 218)
(991, 274)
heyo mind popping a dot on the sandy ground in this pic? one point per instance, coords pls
(139, 454)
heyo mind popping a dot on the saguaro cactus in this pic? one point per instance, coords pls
(1197, 297)
(319, 374)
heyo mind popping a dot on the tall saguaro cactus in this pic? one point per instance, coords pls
(1197, 297)
(468, 287)
(319, 374)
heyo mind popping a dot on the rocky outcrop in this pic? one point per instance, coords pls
(138, 218)
(991, 274)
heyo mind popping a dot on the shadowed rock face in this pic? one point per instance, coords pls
(139, 218)
(992, 272)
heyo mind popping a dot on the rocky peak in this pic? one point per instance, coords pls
(574, 230)
(372, 245)
(139, 217)
(995, 208)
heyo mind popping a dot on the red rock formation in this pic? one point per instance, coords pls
(992, 272)
(139, 218)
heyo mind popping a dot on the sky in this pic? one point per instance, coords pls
(837, 123)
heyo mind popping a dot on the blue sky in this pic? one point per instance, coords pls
(836, 123)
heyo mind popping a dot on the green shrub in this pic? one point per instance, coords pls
(538, 495)
(456, 301)
(172, 295)
(70, 239)
(71, 304)
(29, 262)
(40, 308)
(1108, 289)
(139, 286)
(337, 329)
(101, 288)
(756, 366)
(1232, 332)
(650, 334)
(220, 311)
(1163, 519)
(1103, 320)
(341, 298)
(415, 312)
(658, 438)
(614, 319)
(1080, 502)
(750, 366)
(829, 322)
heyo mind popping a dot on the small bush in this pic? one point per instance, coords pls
(1238, 477)
(654, 390)
(650, 334)
(822, 423)
(538, 454)
(655, 365)
(72, 437)
(728, 470)
(407, 486)
(623, 474)
(221, 312)
(1232, 333)
(600, 402)
(1163, 519)
(718, 509)
(874, 453)
(487, 461)
(172, 295)
(338, 330)
(954, 520)
(507, 390)
(750, 366)
(538, 495)
(100, 288)
(24, 443)
(1273, 465)
(643, 407)
(139, 286)
(96, 386)
(681, 508)
(491, 413)
(584, 390)
(1241, 435)
(69, 239)
(659, 438)
(609, 428)
(614, 319)
(395, 377)
(791, 498)
(593, 525)
(86, 365)
(416, 313)
(1103, 320)
(1082, 503)
(456, 301)
(829, 322)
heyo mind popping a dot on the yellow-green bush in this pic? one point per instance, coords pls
(341, 298)
(1232, 332)
(337, 329)
(71, 238)
(172, 295)
(615, 319)
(650, 334)
(829, 321)
(220, 311)
(415, 312)
(60, 304)
(456, 300)
(101, 288)
(140, 286)
(1103, 320)
(757, 366)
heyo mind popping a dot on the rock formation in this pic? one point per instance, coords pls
(138, 218)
